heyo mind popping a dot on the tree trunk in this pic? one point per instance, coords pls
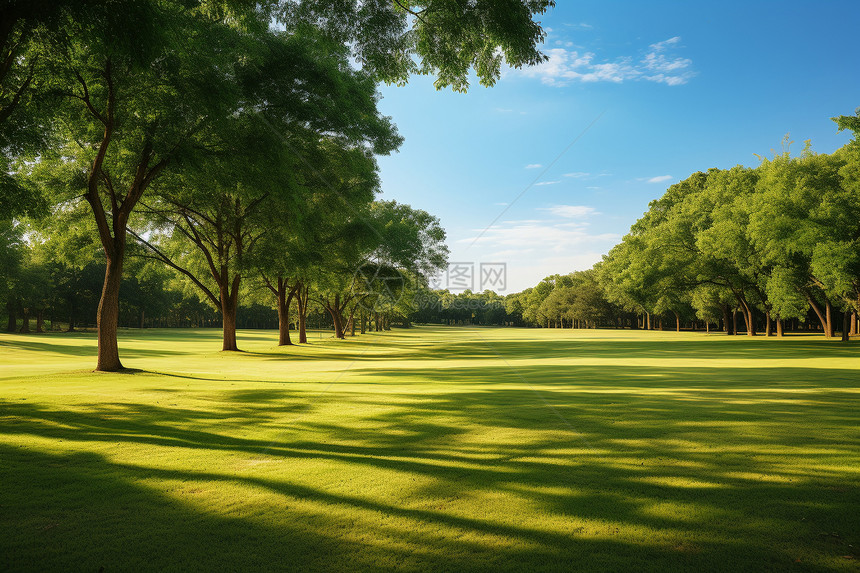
(846, 326)
(25, 321)
(824, 320)
(40, 322)
(677, 322)
(363, 323)
(108, 312)
(647, 321)
(727, 325)
(779, 331)
(768, 329)
(734, 321)
(142, 318)
(336, 318)
(12, 324)
(228, 315)
(750, 319)
(284, 300)
(831, 326)
(302, 308)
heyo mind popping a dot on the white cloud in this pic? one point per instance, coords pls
(565, 66)
(577, 174)
(547, 236)
(534, 166)
(580, 25)
(659, 179)
(571, 211)
(535, 248)
(660, 46)
(546, 183)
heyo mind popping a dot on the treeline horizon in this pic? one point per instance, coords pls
(767, 249)
(777, 245)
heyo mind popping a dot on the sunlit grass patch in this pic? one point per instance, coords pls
(431, 449)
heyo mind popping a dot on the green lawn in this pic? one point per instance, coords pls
(445, 449)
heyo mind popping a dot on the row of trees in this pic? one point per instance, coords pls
(44, 293)
(231, 139)
(776, 242)
(777, 245)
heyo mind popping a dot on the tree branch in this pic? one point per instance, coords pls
(160, 256)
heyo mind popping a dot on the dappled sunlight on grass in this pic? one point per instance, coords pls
(439, 449)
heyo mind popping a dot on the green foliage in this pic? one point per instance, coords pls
(443, 38)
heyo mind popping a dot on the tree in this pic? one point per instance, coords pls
(135, 84)
(801, 215)
(381, 253)
(394, 39)
(319, 108)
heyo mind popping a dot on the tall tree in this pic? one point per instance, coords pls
(307, 111)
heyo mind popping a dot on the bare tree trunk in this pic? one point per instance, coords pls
(302, 307)
(779, 332)
(12, 324)
(846, 326)
(734, 321)
(228, 315)
(831, 326)
(749, 318)
(768, 329)
(108, 313)
(284, 300)
(677, 322)
(40, 321)
(822, 318)
(337, 320)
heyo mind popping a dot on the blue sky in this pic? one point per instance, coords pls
(668, 88)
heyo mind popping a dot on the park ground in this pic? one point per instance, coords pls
(446, 449)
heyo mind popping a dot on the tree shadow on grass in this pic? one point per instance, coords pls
(86, 348)
(645, 468)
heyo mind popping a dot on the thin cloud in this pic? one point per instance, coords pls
(539, 234)
(571, 211)
(534, 166)
(659, 64)
(659, 179)
(546, 183)
(577, 174)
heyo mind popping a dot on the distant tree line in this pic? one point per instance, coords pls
(761, 250)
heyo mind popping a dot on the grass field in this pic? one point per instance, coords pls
(447, 449)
